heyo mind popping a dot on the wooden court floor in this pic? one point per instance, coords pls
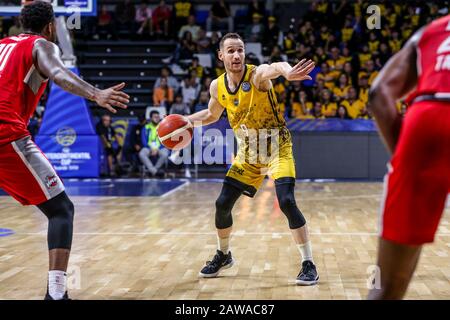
(153, 247)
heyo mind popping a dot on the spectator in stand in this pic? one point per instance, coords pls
(355, 107)
(189, 90)
(104, 23)
(220, 13)
(363, 84)
(340, 91)
(364, 56)
(152, 147)
(181, 10)
(203, 42)
(125, 14)
(329, 107)
(219, 68)
(369, 71)
(163, 95)
(271, 35)
(136, 141)
(326, 75)
(342, 113)
(144, 18)
(160, 18)
(317, 111)
(16, 28)
(214, 45)
(275, 56)
(179, 106)
(191, 27)
(255, 31)
(186, 48)
(257, 7)
(111, 145)
(206, 83)
(197, 68)
(203, 100)
(172, 82)
(302, 108)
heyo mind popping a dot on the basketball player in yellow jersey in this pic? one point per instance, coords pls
(247, 94)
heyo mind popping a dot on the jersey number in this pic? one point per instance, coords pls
(5, 52)
(444, 47)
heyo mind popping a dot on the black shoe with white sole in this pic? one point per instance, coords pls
(219, 262)
(308, 275)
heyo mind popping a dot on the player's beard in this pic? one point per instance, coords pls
(234, 68)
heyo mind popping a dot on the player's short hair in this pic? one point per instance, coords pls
(154, 112)
(230, 35)
(36, 15)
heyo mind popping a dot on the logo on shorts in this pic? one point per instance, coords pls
(237, 170)
(246, 86)
(66, 136)
(51, 181)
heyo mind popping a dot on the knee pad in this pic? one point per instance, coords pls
(286, 200)
(60, 213)
(224, 205)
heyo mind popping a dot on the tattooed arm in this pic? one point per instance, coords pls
(46, 57)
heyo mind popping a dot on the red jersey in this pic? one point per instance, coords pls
(21, 86)
(433, 60)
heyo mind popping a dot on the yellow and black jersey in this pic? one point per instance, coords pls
(247, 107)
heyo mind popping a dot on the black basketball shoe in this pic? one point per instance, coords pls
(49, 297)
(308, 275)
(220, 261)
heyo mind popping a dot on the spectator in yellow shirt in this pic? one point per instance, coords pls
(329, 107)
(395, 43)
(373, 43)
(342, 113)
(326, 76)
(347, 31)
(317, 111)
(302, 108)
(363, 84)
(341, 89)
(365, 55)
(355, 107)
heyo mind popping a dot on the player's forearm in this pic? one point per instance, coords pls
(274, 70)
(382, 105)
(202, 118)
(70, 82)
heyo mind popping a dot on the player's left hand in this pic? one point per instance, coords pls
(112, 97)
(301, 70)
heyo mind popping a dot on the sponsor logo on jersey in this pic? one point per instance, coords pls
(246, 86)
(236, 102)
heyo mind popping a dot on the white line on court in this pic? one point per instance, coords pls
(237, 234)
(175, 189)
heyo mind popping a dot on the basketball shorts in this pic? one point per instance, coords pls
(26, 174)
(418, 180)
(249, 176)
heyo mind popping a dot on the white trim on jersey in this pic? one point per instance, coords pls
(30, 167)
(442, 95)
(383, 199)
(29, 73)
(418, 61)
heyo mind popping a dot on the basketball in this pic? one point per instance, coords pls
(175, 132)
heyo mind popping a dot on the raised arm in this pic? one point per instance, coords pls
(265, 72)
(47, 61)
(395, 80)
(210, 115)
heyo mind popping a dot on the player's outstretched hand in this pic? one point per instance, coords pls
(112, 97)
(301, 70)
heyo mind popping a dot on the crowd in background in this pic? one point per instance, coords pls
(347, 54)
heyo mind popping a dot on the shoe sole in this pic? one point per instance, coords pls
(213, 275)
(307, 283)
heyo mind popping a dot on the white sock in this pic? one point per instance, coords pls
(306, 251)
(223, 244)
(57, 282)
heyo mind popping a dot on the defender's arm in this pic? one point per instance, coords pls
(395, 80)
(48, 62)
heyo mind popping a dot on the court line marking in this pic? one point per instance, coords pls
(175, 189)
(237, 234)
